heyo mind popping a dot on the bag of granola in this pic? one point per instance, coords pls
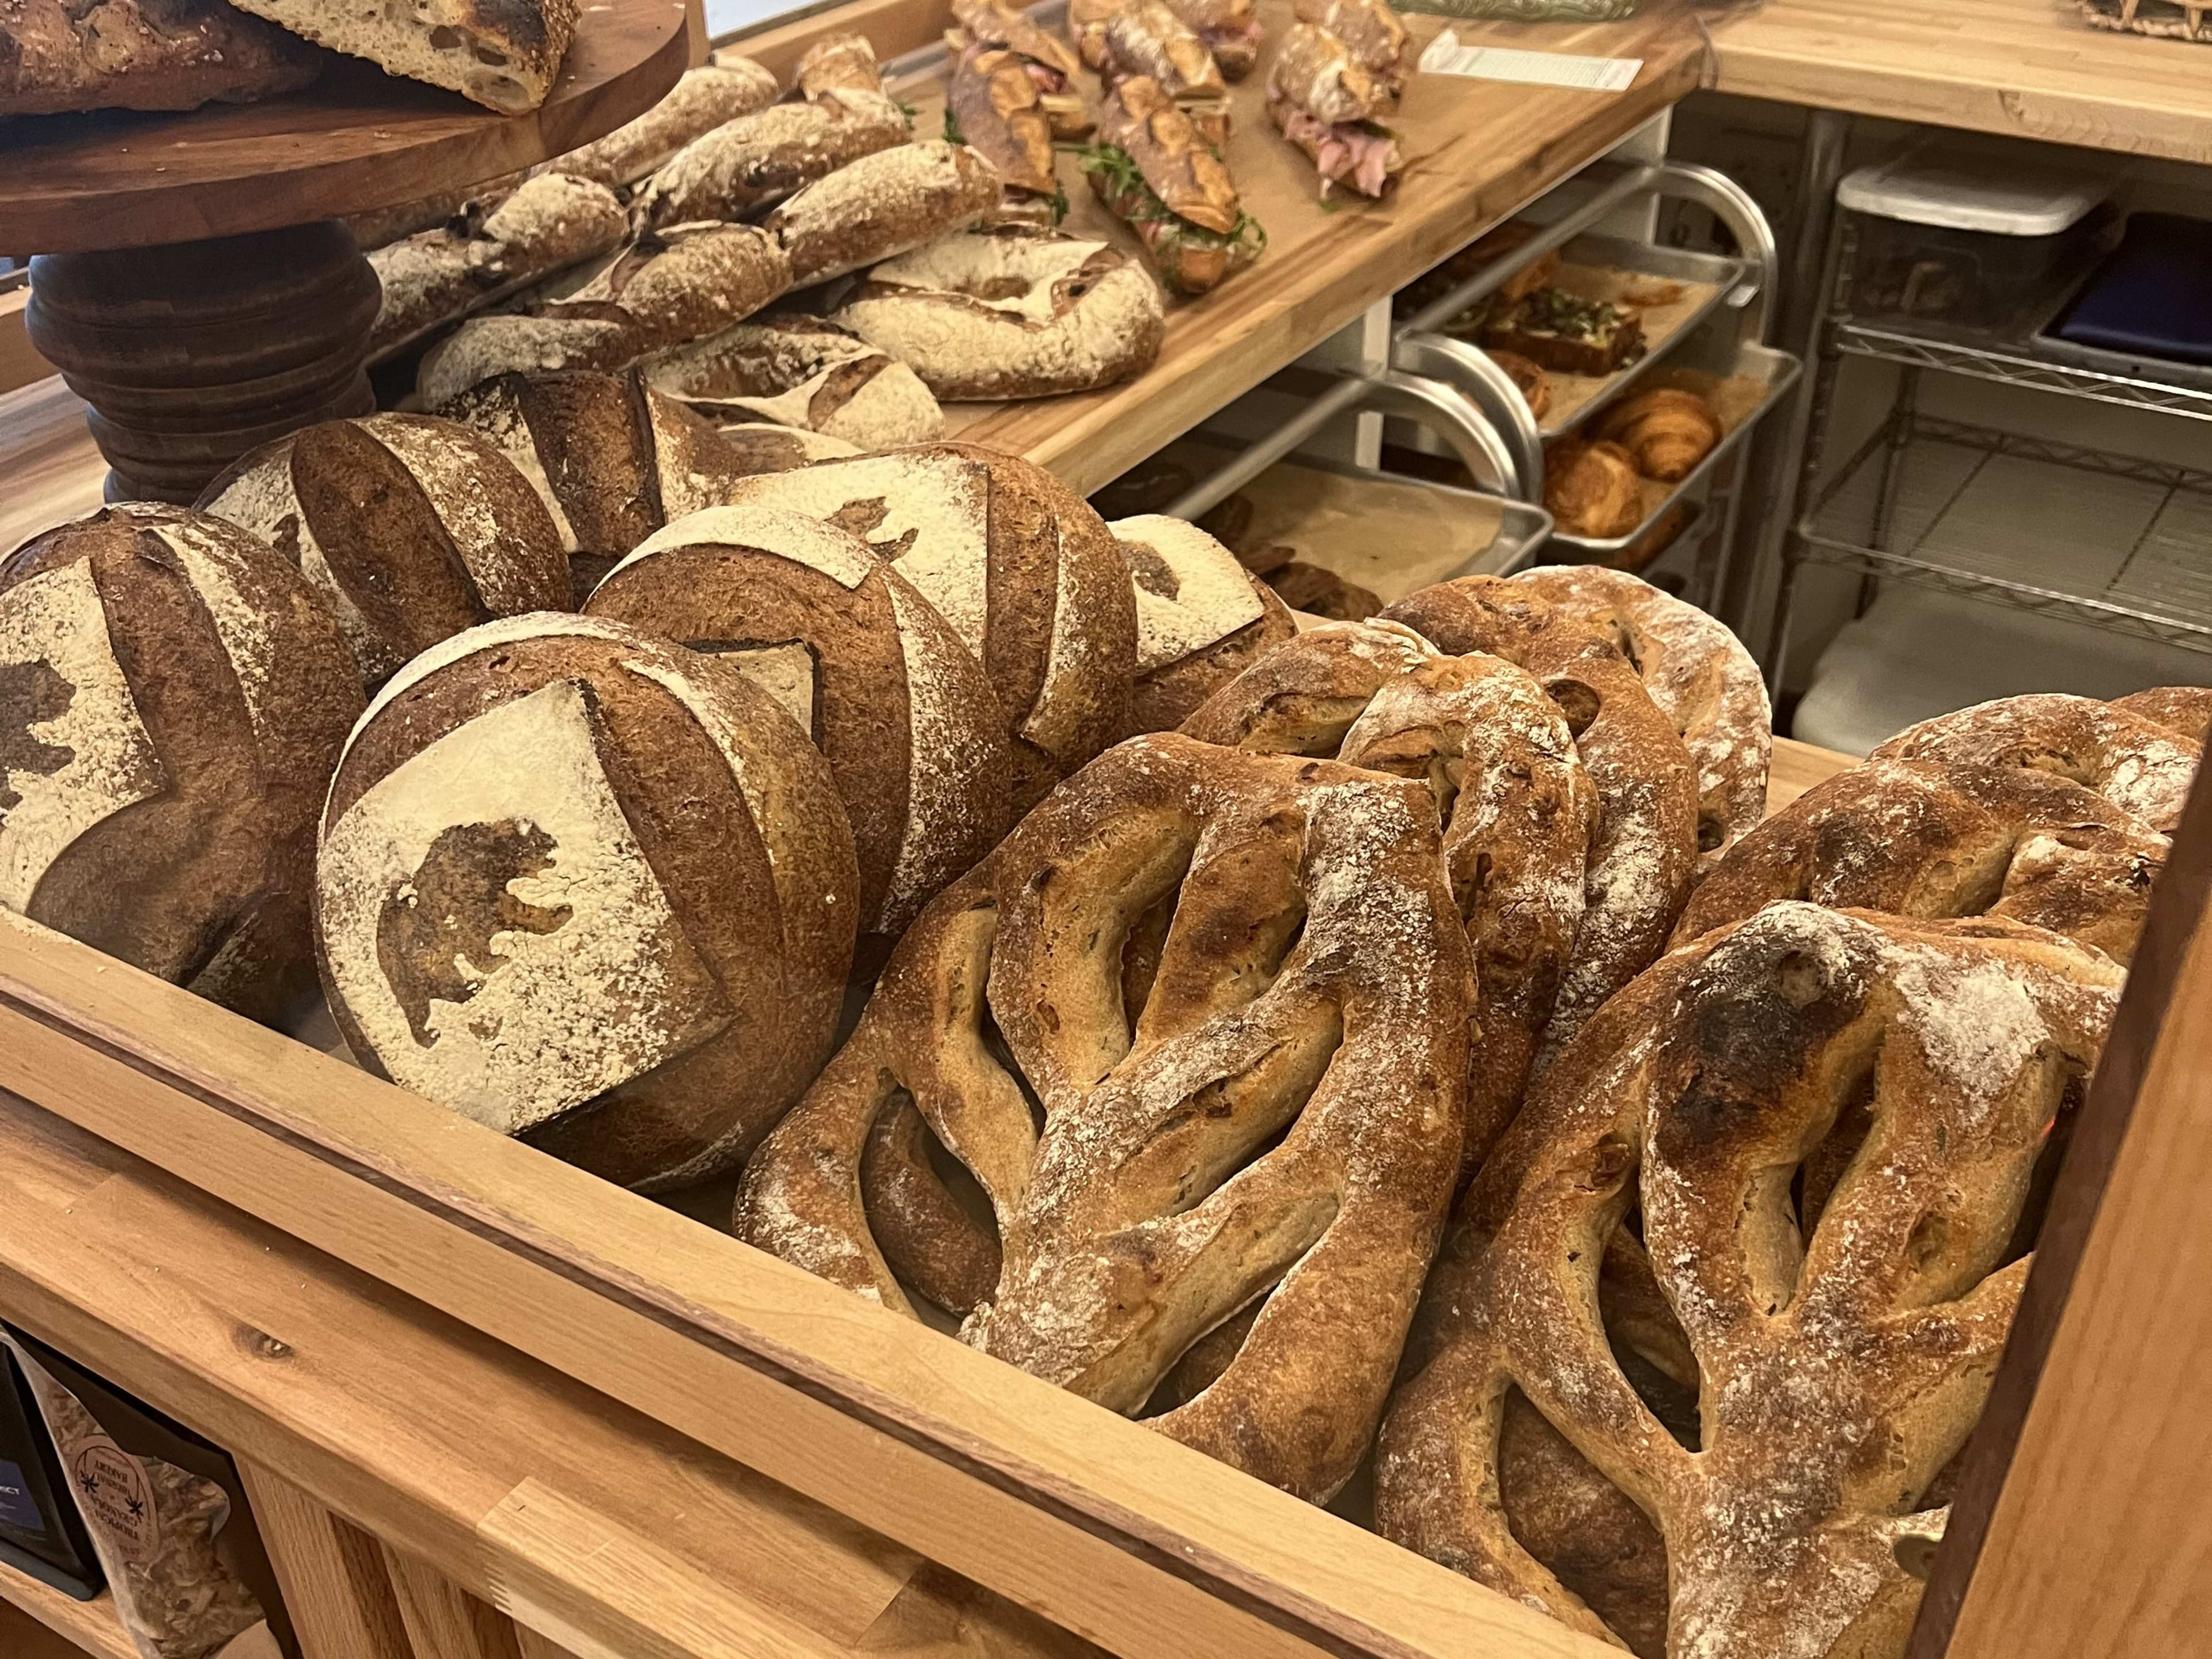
(167, 1515)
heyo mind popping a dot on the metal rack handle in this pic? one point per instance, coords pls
(1733, 205)
(1488, 389)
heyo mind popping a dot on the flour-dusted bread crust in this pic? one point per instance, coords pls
(883, 204)
(689, 281)
(1313, 985)
(503, 54)
(409, 527)
(701, 100)
(2184, 708)
(1928, 838)
(543, 341)
(611, 458)
(1011, 312)
(1643, 851)
(1826, 1124)
(442, 274)
(759, 159)
(591, 890)
(800, 372)
(861, 661)
(173, 699)
(1030, 577)
(1201, 618)
(56, 56)
(2141, 767)
(1698, 673)
(1301, 697)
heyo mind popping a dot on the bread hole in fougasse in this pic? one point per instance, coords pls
(1140, 955)
(929, 1216)
(1577, 701)
(2057, 1136)
(994, 1044)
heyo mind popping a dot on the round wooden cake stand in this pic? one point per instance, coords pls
(192, 277)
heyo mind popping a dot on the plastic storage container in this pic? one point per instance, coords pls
(1970, 237)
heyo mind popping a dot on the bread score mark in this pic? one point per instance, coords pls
(73, 749)
(558, 969)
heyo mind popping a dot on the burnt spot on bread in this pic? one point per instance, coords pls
(31, 694)
(436, 937)
(1152, 573)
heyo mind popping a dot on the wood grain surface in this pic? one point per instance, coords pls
(357, 139)
(88, 1628)
(2031, 68)
(340, 1597)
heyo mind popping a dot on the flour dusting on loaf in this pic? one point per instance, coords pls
(73, 747)
(1191, 591)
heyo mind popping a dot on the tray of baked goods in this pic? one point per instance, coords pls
(1576, 326)
(1242, 1137)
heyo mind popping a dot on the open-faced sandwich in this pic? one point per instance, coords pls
(1151, 167)
(1121, 39)
(1327, 104)
(986, 25)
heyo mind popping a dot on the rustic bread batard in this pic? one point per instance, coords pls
(800, 372)
(1030, 578)
(882, 204)
(504, 54)
(173, 699)
(442, 274)
(1201, 618)
(410, 528)
(688, 281)
(701, 100)
(548, 338)
(861, 661)
(746, 164)
(1011, 312)
(591, 890)
(57, 56)
(1699, 675)
(843, 61)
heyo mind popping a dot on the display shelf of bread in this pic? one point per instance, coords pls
(829, 867)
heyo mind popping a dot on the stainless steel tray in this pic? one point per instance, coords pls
(1777, 372)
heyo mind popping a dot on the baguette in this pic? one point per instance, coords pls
(1230, 28)
(1323, 101)
(993, 103)
(550, 337)
(702, 101)
(377, 227)
(759, 159)
(1151, 167)
(882, 204)
(989, 25)
(439, 276)
(1375, 35)
(800, 372)
(689, 281)
(1122, 38)
(844, 62)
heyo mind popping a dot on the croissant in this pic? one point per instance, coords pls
(1665, 432)
(1592, 489)
(1528, 380)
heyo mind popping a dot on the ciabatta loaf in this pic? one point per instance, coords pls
(408, 527)
(589, 888)
(172, 699)
(801, 371)
(861, 661)
(1030, 577)
(505, 56)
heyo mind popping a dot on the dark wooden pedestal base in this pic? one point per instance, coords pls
(194, 353)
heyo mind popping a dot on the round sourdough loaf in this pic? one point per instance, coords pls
(861, 661)
(591, 890)
(611, 458)
(173, 701)
(1202, 619)
(409, 527)
(1030, 577)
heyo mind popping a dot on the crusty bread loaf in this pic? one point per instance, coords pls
(505, 56)
(1030, 577)
(1011, 312)
(410, 528)
(142, 54)
(589, 888)
(376, 227)
(1202, 620)
(612, 460)
(2184, 708)
(688, 281)
(846, 62)
(173, 699)
(881, 205)
(703, 99)
(1301, 697)
(439, 275)
(548, 336)
(800, 372)
(1315, 986)
(757, 159)
(866, 665)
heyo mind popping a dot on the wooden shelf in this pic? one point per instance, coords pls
(89, 1627)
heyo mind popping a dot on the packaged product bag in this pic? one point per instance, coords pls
(41, 1532)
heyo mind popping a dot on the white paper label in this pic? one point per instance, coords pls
(1445, 55)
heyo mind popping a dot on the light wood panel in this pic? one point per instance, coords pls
(1796, 767)
(443, 1620)
(2031, 68)
(23, 1637)
(332, 1574)
(88, 1628)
